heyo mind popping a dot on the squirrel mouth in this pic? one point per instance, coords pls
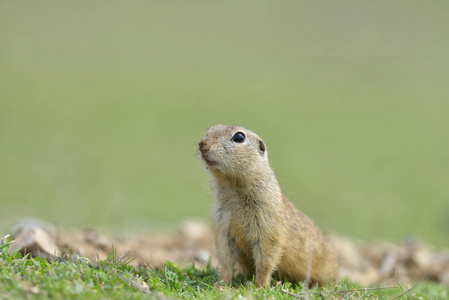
(208, 161)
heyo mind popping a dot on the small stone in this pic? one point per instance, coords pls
(36, 242)
(194, 230)
(203, 255)
(388, 263)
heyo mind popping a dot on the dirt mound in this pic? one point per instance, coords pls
(368, 264)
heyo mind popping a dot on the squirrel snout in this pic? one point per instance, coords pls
(202, 146)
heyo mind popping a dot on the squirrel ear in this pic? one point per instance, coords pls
(261, 146)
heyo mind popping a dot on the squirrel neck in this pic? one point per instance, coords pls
(261, 185)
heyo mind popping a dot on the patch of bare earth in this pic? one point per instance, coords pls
(368, 264)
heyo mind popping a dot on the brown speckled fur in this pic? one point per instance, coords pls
(255, 224)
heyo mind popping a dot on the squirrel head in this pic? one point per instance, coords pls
(234, 152)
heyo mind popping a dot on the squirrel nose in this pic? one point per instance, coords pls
(202, 146)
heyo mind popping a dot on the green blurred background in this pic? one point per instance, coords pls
(102, 104)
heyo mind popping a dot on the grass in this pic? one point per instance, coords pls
(70, 277)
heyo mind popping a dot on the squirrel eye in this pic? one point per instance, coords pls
(239, 137)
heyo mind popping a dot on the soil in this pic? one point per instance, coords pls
(369, 264)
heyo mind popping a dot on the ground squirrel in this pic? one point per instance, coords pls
(255, 224)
